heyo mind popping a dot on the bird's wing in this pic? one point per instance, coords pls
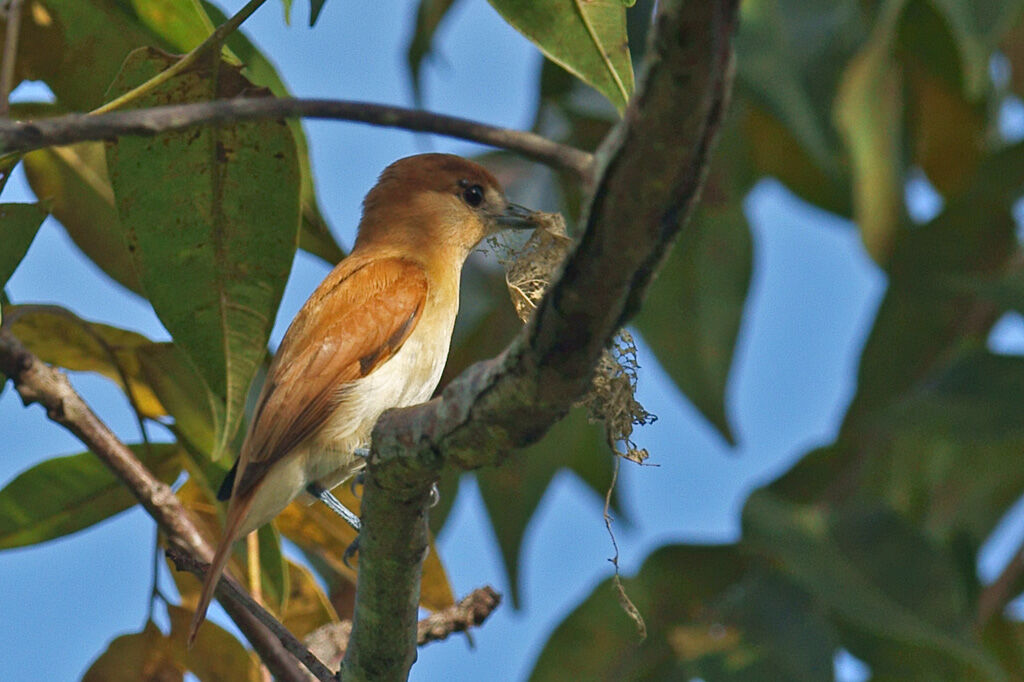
(363, 315)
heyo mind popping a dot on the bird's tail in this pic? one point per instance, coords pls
(237, 511)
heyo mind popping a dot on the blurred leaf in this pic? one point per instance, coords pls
(307, 607)
(146, 655)
(18, 226)
(74, 181)
(868, 113)
(769, 71)
(586, 37)
(64, 495)
(512, 491)
(215, 656)
(692, 316)
(775, 151)
(212, 217)
(182, 23)
(324, 535)
(966, 418)
(921, 320)
(77, 47)
(314, 236)
(711, 613)
(978, 27)
(947, 130)
(428, 17)
(801, 542)
(61, 338)
(182, 392)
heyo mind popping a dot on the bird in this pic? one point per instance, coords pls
(374, 335)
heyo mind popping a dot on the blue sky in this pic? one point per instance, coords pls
(813, 298)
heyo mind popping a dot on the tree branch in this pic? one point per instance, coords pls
(330, 641)
(37, 382)
(23, 136)
(652, 168)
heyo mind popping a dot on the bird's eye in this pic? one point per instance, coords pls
(474, 195)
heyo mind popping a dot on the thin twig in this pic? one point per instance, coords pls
(620, 592)
(229, 590)
(212, 42)
(37, 382)
(61, 130)
(330, 641)
(10, 54)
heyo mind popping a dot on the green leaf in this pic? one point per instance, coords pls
(212, 217)
(428, 17)
(273, 569)
(73, 180)
(315, 236)
(771, 67)
(61, 338)
(77, 47)
(586, 37)
(183, 393)
(512, 491)
(182, 23)
(966, 418)
(18, 226)
(711, 613)
(67, 494)
(692, 316)
(801, 542)
(868, 112)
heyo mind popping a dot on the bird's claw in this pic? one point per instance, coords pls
(350, 552)
(435, 496)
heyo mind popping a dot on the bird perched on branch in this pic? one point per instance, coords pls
(374, 335)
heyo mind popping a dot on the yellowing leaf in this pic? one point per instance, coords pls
(869, 115)
(307, 607)
(322, 533)
(215, 656)
(62, 338)
(146, 655)
(586, 37)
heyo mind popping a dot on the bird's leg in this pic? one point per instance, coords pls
(325, 496)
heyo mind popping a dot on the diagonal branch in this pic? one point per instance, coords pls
(37, 382)
(23, 136)
(652, 167)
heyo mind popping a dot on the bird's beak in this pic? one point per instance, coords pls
(515, 217)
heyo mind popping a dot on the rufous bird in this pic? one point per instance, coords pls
(373, 336)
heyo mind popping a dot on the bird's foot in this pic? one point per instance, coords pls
(362, 453)
(325, 496)
(435, 496)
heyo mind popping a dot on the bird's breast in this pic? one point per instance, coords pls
(407, 378)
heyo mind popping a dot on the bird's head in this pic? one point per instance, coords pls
(437, 203)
